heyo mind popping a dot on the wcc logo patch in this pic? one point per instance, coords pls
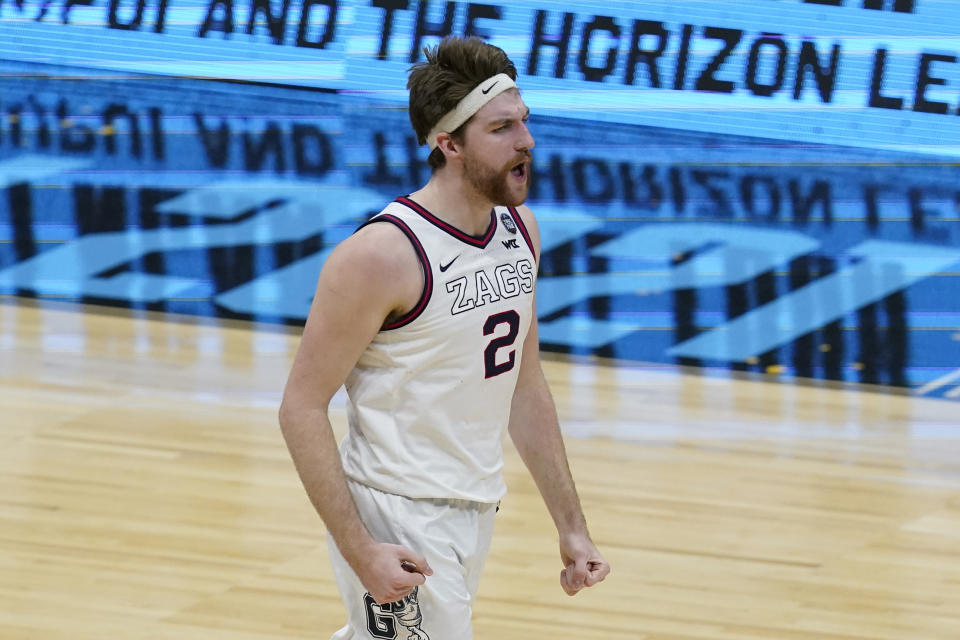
(399, 620)
(508, 223)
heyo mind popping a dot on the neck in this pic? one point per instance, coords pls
(454, 200)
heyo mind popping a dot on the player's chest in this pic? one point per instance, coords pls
(475, 282)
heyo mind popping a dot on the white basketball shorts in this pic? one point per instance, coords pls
(453, 535)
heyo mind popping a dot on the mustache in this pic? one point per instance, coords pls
(523, 156)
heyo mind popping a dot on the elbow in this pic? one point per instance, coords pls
(287, 415)
(518, 431)
(295, 414)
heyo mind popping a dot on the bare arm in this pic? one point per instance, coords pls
(535, 431)
(368, 278)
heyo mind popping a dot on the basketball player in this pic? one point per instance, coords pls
(426, 315)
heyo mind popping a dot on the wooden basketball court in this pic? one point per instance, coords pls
(145, 492)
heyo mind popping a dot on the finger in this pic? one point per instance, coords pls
(565, 583)
(578, 573)
(414, 579)
(401, 587)
(596, 572)
(604, 569)
(388, 597)
(395, 596)
(411, 561)
(425, 567)
(412, 567)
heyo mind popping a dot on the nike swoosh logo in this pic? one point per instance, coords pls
(487, 90)
(444, 267)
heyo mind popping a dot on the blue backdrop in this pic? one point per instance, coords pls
(767, 186)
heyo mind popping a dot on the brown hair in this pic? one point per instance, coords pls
(452, 70)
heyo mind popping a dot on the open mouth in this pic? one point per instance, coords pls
(519, 171)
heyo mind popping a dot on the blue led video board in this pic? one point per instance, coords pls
(767, 185)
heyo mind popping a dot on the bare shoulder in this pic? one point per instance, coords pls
(377, 261)
(368, 278)
(380, 247)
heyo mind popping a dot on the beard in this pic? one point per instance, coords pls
(495, 184)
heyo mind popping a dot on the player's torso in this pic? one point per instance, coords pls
(435, 386)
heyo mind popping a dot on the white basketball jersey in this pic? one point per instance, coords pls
(429, 399)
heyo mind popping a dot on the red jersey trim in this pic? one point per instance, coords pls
(523, 230)
(480, 242)
(414, 313)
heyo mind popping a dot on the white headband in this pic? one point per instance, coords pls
(481, 95)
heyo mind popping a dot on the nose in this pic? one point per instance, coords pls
(525, 140)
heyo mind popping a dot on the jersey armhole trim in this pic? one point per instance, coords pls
(425, 296)
(523, 230)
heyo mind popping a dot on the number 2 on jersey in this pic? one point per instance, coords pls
(491, 367)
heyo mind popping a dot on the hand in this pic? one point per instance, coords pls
(382, 572)
(583, 564)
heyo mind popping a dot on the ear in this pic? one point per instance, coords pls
(448, 147)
